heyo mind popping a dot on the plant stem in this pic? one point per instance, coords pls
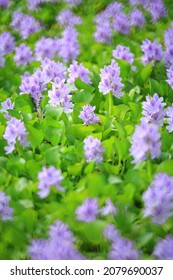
(110, 103)
(149, 169)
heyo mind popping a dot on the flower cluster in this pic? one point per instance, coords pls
(7, 105)
(121, 248)
(49, 177)
(4, 3)
(23, 55)
(52, 70)
(111, 80)
(46, 48)
(7, 45)
(122, 52)
(69, 45)
(67, 18)
(93, 149)
(24, 24)
(73, 3)
(137, 18)
(87, 115)
(33, 85)
(121, 23)
(78, 71)
(145, 142)
(158, 199)
(6, 211)
(89, 210)
(170, 76)
(157, 10)
(153, 109)
(164, 248)
(15, 132)
(60, 95)
(59, 246)
(152, 51)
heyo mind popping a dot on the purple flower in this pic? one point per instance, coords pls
(15, 131)
(108, 209)
(145, 142)
(111, 80)
(53, 70)
(33, 85)
(121, 248)
(23, 55)
(46, 48)
(78, 71)
(137, 18)
(6, 211)
(168, 35)
(111, 232)
(93, 149)
(87, 115)
(4, 3)
(152, 51)
(122, 52)
(121, 23)
(67, 18)
(164, 248)
(103, 33)
(7, 43)
(168, 56)
(88, 211)
(7, 105)
(157, 10)
(69, 45)
(49, 177)
(170, 76)
(169, 119)
(153, 109)
(59, 246)
(158, 199)
(33, 4)
(60, 95)
(24, 24)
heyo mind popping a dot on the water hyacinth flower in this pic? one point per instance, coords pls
(7, 105)
(170, 76)
(123, 52)
(158, 199)
(168, 35)
(34, 85)
(145, 142)
(164, 248)
(69, 45)
(76, 71)
(111, 80)
(93, 149)
(4, 3)
(103, 33)
(6, 212)
(49, 177)
(15, 132)
(60, 95)
(152, 51)
(7, 43)
(33, 4)
(25, 24)
(108, 209)
(157, 10)
(46, 48)
(121, 23)
(137, 18)
(23, 55)
(67, 18)
(52, 70)
(88, 211)
(60, 245)
(88, 116)
(169, 118)
(121, 248)
(153, 109)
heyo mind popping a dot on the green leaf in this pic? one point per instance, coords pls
(166, 166)
(82, 97)
(81, 85)
(35, 136)
(94, 231)
(146, 71)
